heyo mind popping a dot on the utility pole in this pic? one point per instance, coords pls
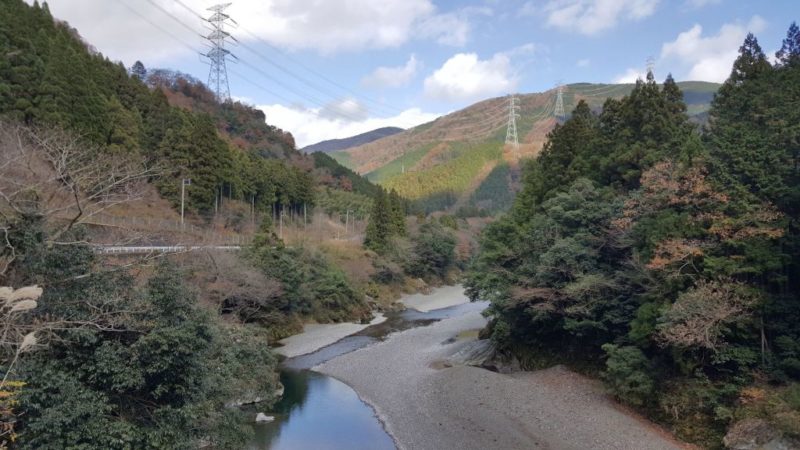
(511, 132)
(184, 183)
(559, 110)
(218, 55)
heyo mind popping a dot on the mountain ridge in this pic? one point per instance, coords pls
(334, 145)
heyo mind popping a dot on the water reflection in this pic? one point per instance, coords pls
(319, 412)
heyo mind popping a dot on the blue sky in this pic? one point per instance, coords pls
(350, 66)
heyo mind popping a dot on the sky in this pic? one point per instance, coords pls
(325, 69)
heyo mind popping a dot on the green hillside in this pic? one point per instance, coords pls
(445, 160)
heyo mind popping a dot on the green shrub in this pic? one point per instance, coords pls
(628, 374)
(434, 252)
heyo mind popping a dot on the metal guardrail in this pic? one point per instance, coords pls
(143, 250)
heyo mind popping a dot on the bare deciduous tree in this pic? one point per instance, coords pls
(52, 173)
(699, 317)
(56, 175)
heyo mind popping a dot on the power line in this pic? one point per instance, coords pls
(158, 27)
(316, 101)
(163, 10)
(298, 63)
(321, 76)
(223, 76)
(280, 96)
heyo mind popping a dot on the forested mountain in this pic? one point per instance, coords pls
(335, 145)
(460, 161)
(171, 120)
(143, 354)
(664, 258)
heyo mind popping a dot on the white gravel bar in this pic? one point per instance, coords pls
(439, 298)
(317, 336)
(427, 404)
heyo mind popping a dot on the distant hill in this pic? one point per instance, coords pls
(461, 159)
(335, 145)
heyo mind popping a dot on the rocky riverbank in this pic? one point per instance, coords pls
(427, 400)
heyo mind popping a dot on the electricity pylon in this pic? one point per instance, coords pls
(218, 55)
(559, 112)
(511, 132)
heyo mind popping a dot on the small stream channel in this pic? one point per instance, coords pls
(320, 412)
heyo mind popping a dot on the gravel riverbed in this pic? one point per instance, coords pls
(317, 336)
(424, 404)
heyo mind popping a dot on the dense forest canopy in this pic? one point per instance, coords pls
(170, 119)
(130, 355)
(664, 255)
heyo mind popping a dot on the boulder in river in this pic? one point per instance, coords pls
(483, 353)
(263, 418)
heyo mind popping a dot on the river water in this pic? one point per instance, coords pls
(318, 412)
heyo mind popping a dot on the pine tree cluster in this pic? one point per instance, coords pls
(663, 256)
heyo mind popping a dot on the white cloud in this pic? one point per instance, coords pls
(326, 26)
(310, 126)
(334, 25)
(348, 108)
(466, 77)
(524, 49)
(452, 28)
(593, 16)
(630, 76)
(586, 62)
(393, 77)
(710, 58)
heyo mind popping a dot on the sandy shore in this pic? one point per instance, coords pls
(426, 405)
(317, 336)
(442, 297)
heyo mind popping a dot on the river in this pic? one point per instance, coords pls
(403, 383)
(321, 412)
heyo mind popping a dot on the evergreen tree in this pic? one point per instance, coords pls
(381, 224)
(138, 71)
(398, 214)
(789, 54)
(751, 63)
(739, 132)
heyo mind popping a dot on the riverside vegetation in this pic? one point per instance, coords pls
(148, 354)
(661, 256)
(665, 257)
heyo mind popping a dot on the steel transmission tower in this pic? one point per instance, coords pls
(511, 133)
(218, 55)
(559, 110)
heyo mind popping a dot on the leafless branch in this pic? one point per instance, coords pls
(51, 173)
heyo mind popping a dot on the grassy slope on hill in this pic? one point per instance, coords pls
(484, 125)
